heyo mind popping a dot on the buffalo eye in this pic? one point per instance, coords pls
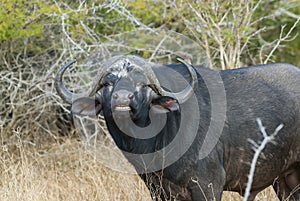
(107, 84)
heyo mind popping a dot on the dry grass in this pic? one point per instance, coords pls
(68, 171)
(64, 172)
(266, 195)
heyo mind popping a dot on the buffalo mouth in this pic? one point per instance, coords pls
(121, 108)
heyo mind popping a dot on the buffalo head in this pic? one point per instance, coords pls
(125, 84)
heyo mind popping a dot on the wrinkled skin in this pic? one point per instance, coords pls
(270, 92)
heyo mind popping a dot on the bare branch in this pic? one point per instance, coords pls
(258, 150)
(282, 38)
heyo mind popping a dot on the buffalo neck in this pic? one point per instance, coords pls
(136, 145)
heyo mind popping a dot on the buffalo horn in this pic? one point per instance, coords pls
(60, 87)
(181, 96)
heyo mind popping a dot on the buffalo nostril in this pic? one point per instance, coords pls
(130, 96)
(115, 96)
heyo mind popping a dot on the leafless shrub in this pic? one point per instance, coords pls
(226, 31)
(29, 104)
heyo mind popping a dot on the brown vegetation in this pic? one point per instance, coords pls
(68, 171)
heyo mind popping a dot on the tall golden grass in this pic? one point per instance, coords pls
(63, 172)
(68, 171)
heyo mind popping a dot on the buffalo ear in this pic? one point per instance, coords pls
(86, 106)
(166, 104)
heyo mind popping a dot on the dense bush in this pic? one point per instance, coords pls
(36, 37)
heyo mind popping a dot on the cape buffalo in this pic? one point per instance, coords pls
(148, 106)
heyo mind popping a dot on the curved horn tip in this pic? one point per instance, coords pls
(183, 61)
(62, 91)
(65, 66)
(190, 67)
(62, 69)
(189, 90)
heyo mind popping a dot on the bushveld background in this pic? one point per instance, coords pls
(42, 155)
